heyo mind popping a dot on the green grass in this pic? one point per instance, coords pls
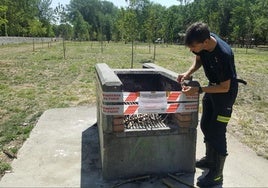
(250, 117)
(32, 82)
(4, 166)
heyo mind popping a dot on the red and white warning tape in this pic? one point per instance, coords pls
(148, 102)
(172, 96)
(136, 109)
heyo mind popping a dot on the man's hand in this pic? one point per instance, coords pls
(188, 90)
(182, 77)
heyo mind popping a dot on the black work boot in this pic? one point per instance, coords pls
(206, 162)
(215, 175)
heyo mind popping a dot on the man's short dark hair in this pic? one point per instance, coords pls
(197, 33)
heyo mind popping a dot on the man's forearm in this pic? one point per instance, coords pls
(196, 65)
(223, 87)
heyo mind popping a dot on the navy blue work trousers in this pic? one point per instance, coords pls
(217, 111)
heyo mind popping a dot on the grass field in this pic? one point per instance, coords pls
(32, 82)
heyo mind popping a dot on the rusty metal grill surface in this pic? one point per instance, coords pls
(145, 121)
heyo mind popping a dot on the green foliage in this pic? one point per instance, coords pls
(239, 21)
(36, 28)
(81, 27)
(3, 10)
(46, 15)
(4, 167)
(153, 23)
(129, 25)
(260, 10)
(45, 11)
(99, 16)
(26, 18)
(64, 30)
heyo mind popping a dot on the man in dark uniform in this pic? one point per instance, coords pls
(217, 59)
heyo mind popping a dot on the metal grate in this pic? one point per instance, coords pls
(145, 121)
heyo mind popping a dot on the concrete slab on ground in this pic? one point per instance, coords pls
(63, 151)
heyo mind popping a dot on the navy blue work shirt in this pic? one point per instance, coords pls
(219, 64)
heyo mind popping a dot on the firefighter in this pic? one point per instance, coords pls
(217, 59)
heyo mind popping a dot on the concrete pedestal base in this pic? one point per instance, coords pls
(124, 157)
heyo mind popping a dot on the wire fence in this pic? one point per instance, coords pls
(18, 40)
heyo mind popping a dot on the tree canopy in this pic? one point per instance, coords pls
(142, 20)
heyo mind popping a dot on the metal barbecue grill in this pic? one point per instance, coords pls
(146, 125)
(145, 121)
